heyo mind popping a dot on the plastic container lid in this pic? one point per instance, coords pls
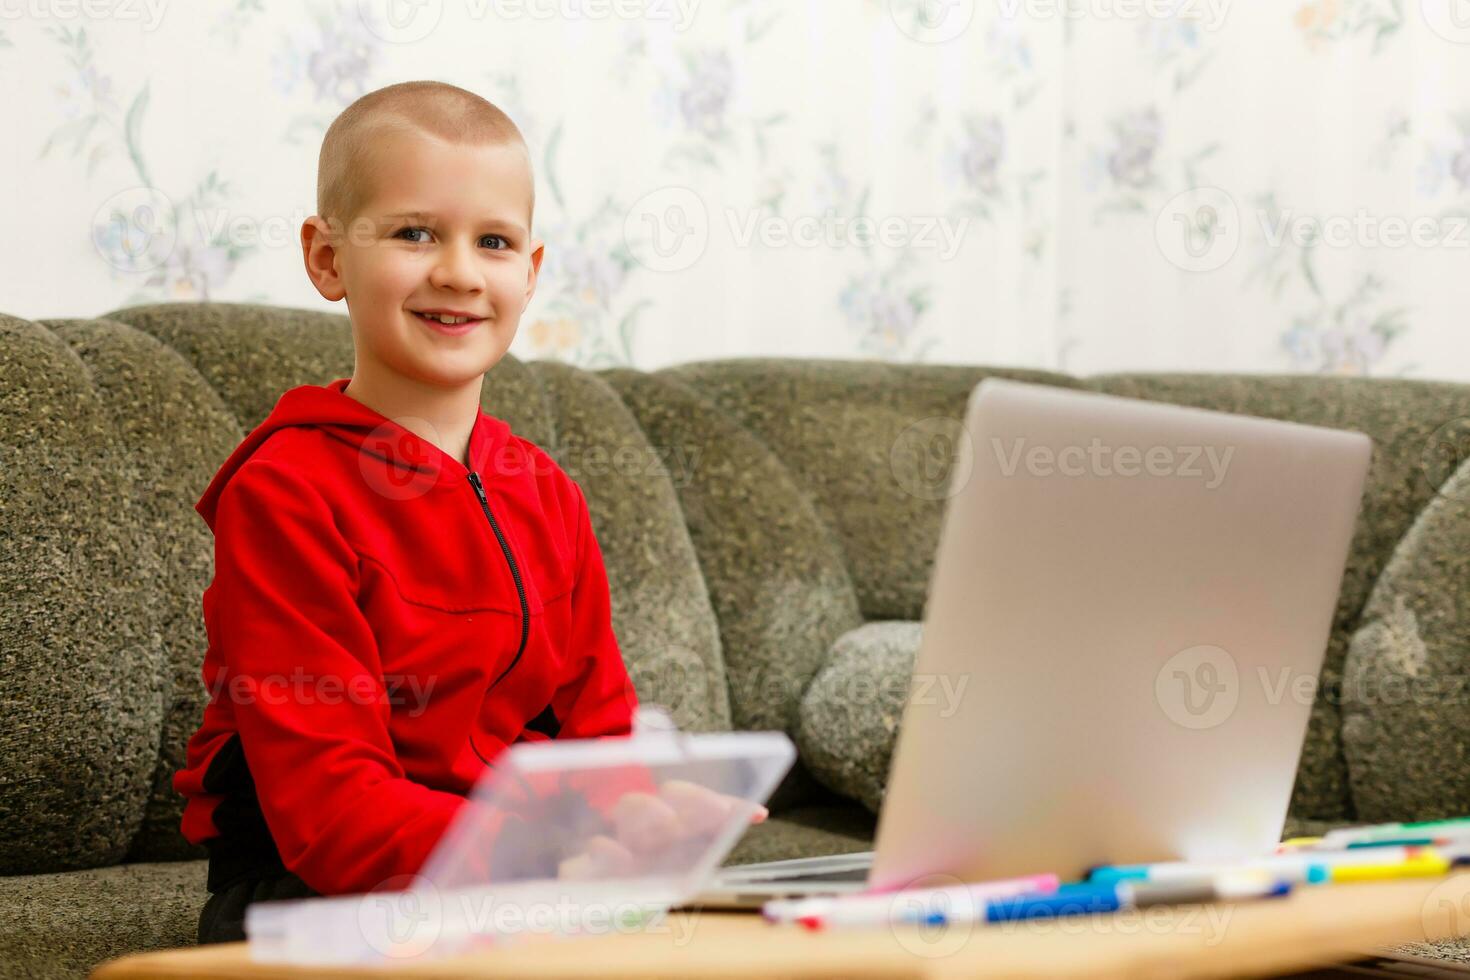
(558, 838)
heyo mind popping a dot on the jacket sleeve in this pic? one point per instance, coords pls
(597, 697)
(314, 721)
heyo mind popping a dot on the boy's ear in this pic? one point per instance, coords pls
(319, 251)
(538, 248)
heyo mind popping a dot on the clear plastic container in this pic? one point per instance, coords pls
(559, 838)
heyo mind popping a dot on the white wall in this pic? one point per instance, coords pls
(1060, 144)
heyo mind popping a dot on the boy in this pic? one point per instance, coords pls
(402, 586)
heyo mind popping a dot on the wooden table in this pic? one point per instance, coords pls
(1312, 927)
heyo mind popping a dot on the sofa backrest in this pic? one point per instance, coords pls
(110, 429)
(750, 511)
(851, 432)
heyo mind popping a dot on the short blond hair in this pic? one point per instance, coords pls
(347, 165)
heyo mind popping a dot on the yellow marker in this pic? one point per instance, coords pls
(1424, 864)
(1296, 843)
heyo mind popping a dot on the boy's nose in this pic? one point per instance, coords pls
(456, 269)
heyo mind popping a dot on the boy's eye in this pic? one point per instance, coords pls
(503, 243)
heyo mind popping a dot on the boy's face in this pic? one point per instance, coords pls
(446, 228)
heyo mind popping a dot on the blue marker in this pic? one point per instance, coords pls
(1087, 898)
(1079, 899)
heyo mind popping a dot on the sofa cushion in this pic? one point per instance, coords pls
(82, 669)
(851, 713)
(249, 354)
(172, 424)
(807, 831)
(1403, 418)
(871, 443)
(62, 925)
(660, 609)
(775, 572)
(1406, 685)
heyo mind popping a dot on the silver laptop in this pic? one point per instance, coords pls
(1137, 598)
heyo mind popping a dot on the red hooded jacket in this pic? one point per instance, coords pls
(381, 623)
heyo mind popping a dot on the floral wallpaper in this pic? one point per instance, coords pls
(1081, 185)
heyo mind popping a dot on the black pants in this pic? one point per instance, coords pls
(223, 917)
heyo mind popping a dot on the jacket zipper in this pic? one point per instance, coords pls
(520, 593)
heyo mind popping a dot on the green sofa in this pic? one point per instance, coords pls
(768, 527)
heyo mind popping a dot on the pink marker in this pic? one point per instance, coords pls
(883, 908)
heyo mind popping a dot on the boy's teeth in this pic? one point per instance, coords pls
(446, 319)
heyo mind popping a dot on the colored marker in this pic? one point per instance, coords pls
(1308, 867)
(1426, 863)
(1092, 897)
(1431, 831)
(868, 909)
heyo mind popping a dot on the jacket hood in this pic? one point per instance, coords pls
(381, 442)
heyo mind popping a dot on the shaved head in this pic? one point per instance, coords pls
(349, 167)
